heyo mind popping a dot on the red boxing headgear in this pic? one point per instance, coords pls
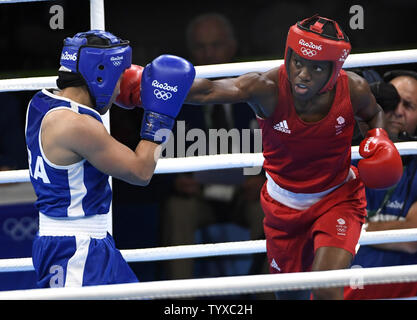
(306, 38)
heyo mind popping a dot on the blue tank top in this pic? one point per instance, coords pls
(387, 205)
(75, 190)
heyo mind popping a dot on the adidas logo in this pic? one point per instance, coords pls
(274, 265)
(282, 126)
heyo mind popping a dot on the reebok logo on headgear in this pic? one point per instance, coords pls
(69, 56)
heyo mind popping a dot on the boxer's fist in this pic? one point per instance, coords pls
(382, 165)
(129, 96)
(165, 85)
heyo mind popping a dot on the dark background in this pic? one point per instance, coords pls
(29, 47)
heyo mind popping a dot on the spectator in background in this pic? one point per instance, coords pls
(395, 208)
(404, 118)
(203, 198)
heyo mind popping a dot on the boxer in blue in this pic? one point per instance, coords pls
(71, 154)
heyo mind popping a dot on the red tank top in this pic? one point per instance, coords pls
(308, 157)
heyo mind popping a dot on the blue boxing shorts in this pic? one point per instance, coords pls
(89, 257)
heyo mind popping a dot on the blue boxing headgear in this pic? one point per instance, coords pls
(99, 65)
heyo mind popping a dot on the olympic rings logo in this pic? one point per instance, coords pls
(21, 229)
(159, 94)
(308, 52)
(117, 61)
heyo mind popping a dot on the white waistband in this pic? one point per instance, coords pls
(90, 226)
(299, 201)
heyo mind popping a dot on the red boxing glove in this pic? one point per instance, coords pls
(382, 166)
(129, 96)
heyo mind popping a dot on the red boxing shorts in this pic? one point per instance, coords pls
(293, 236)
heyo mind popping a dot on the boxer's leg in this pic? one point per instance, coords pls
(330, 258)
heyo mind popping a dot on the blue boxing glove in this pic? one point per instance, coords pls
(165, 85)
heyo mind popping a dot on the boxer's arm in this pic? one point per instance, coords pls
(91, 141)
(365, 107)
(409, 222)
(259, 90)
(205, 91)
(69, 137)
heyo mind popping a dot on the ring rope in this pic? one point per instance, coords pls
(216, 249)
(229, 69)
(353, 61)
(210, 162)
(354, 277)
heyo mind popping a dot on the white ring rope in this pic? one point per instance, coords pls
(211, 162)
(216, 249)
(232, 69)
(224, 285)
(23, 84)
(353, 61)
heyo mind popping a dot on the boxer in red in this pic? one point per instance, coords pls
(313, 200)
